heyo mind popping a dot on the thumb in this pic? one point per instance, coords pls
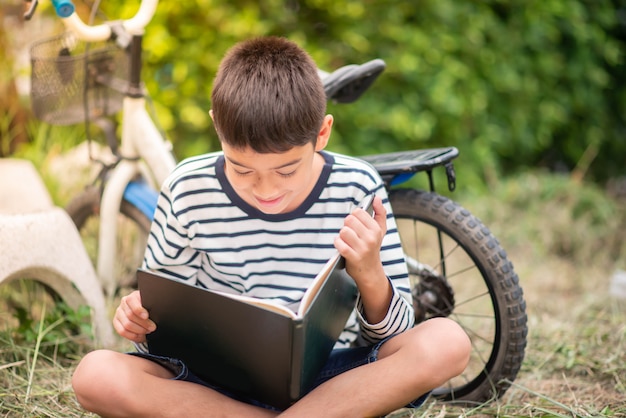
(380, 214)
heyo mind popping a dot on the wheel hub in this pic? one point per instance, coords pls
(432, 296)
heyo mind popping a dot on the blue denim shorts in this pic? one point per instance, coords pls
(340, 360)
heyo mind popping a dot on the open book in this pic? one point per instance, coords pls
(307, 298)
(251, 347)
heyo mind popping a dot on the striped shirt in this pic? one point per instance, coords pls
(205, 233)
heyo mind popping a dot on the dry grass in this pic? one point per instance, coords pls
(34, 384)
(565, 241)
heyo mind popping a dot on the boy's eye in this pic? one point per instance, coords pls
(247, 173)
(289, 174)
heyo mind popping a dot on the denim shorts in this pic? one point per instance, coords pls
(340, 360)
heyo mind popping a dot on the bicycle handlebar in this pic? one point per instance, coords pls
(66, 11)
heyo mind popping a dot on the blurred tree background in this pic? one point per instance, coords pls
(513, 84)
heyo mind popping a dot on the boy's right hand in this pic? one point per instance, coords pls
(131, 319)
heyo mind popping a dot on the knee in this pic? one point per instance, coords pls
(454, 343)
(444, 346)
(93, 377)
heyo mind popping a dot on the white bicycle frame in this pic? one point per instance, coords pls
(140, 138)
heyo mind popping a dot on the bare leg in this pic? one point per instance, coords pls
(409, 365)
(117, 385)
(113, 384)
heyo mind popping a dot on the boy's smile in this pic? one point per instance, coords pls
(273, 183)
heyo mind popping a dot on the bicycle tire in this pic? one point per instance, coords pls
(477, 277)
(133, 228)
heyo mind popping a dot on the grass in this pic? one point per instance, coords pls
(35, 384)
(565, 240)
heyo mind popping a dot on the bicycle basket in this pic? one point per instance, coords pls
(69, 77)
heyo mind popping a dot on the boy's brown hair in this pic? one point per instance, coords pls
(268, 96)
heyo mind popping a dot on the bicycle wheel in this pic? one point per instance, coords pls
(133, 227)
(458, 269)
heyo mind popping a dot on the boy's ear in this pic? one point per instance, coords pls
(324, 134)
(211, 114)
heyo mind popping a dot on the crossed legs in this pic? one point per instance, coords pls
(113, 384)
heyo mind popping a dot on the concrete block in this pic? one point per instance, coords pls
(39, 241)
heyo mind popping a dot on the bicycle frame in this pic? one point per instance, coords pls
(144, 150)
(139, 138)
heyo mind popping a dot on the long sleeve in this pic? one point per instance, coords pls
(399, 318)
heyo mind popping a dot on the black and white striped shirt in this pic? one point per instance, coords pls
(205, 233)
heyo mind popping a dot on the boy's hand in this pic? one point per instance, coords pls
(360, 239)
(131, 319)
(359, 242)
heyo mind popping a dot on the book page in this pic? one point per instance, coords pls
(307, 298)
(309, 295)
(312, 291)
(266, 304)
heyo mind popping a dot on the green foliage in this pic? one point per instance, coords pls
(183, 48)
(7, 131)
(62, 323)
(47, 142)
(40, 319)
(512, 84)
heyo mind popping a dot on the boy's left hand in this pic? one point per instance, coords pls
(359, 242)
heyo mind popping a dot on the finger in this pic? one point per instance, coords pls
(131, 330)
(131, 317)
(133, 301)
(377, 220)
(125, 333)
(355, 249)
(132, 323)
(125, 324)
(362, 232)
(380, 213)
(343, 248)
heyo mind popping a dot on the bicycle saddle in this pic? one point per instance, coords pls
(348, 83)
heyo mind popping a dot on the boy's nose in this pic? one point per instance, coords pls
(264, 188)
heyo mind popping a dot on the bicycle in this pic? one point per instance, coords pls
(462, 272)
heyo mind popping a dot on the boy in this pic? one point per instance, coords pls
(261, 217)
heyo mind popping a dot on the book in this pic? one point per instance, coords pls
(251, 347)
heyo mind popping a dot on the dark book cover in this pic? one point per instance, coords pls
(244, 345)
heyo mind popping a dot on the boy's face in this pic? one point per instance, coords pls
(273, 183)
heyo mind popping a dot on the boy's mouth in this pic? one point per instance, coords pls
(269, 202)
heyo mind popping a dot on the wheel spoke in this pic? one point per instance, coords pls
(458, 272)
